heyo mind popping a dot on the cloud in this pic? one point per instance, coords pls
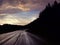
(10, 6)
(6, 8)
(17, 11)
(2, 16)
(12, 19)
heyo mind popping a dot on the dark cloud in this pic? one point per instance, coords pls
(23, 4)
(14, 2)
(1, 2)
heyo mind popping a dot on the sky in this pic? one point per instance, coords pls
(21, 12)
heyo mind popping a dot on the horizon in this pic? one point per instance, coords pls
(21, 12)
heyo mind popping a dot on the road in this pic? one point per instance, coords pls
(20, 38)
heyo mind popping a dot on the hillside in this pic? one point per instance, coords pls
(9, 28)
(48, 24)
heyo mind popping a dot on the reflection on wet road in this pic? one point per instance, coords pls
(20, 38)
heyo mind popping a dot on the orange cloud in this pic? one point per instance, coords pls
(23, 7)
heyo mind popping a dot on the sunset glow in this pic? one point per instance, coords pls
(21, 12)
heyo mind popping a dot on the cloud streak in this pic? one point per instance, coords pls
(16, 11)
(12, 19)
(23, 5)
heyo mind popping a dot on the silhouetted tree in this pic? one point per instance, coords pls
(48, 24)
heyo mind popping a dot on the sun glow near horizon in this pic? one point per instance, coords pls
(9, 19)
(19, 12)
